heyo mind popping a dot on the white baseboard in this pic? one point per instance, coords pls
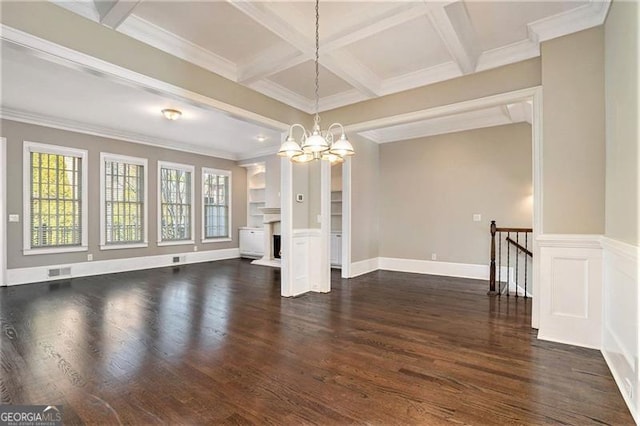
(621, 313)
(83, 269)
(450, 269)
(364, 267)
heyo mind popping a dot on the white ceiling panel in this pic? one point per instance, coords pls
(502, 23)
(61, 94)
(300, 79)
(216, 26)
(402, 49)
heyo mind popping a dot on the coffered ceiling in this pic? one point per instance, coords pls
(368, 49)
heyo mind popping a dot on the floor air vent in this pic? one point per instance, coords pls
(60, 272)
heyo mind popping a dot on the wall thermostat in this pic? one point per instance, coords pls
(299, 198)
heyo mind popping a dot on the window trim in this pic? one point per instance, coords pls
(104, 157)
(185, 168)
(27, 148)
(230, 202)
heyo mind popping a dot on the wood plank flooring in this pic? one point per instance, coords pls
(215, 343)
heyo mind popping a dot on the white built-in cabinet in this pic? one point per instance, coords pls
(336, 228)
(251, 242)
(336, 248)
(251, 239)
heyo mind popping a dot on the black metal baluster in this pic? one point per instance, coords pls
(499, 263)
(526, 245)
(517, 261)
(508, 259)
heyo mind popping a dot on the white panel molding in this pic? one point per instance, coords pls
(270, 61)
(362, 267)
(340, 99)
(166, 41)
(17, 276)
(621, 319)
(571, 21)
(72, 58)
(3, 210)
(106, 132)
(571, 289)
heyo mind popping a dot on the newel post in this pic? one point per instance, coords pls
(492, 267)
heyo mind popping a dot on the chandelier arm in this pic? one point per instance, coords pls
(300, 126)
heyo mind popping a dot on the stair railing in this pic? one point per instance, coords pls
(522, 235)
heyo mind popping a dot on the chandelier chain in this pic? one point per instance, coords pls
(317, 117)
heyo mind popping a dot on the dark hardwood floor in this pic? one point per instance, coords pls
(216, 344)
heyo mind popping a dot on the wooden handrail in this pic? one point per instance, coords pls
(514, 229)
(524, 249)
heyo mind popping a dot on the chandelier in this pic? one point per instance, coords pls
(316, 144)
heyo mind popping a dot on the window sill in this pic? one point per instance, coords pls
(123, 246)
(216, 240)
(53, 250)
(176, 243)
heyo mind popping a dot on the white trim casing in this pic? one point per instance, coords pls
(29, 147)
(85, 269)
(571, 289)
(621, 319)
(3, 211)
(286, 227)
(347, 266)
(186, 168)
(104, 156)
(208, 170)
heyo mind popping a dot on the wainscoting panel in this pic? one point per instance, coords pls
(571, 289)
(621, 319)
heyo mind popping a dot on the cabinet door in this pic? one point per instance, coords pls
(257, 242)
(245, 241)
(336, 249)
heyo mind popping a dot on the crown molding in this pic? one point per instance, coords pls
(169, 42)
(107, 132)
(571, 21)
(86, 9)
(282, 94)
(256, 154)
(422, 77)
(505, 55)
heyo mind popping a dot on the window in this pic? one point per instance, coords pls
(123, 205)
(55, 199)
(216, 205)
(175, 195)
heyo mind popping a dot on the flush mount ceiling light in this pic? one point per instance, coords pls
(261, 138)
(316, 144)
(171, 114)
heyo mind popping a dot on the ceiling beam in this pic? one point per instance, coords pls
(345, 67)
(114, 12)
(453, 25)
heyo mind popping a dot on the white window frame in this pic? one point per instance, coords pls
(206, 170)
(28, 148)
(104, 157)
(186, 168)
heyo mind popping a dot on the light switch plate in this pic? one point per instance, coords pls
(477, 217)
(14, 218)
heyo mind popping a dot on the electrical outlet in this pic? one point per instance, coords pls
(14, 218)
(628, 388)
(477, 217)
(89, 257)
(434, 256)
(195, 248)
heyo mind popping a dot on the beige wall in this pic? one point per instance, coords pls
(48, 21)
(365, 199)
(508, 78)
(573, 133)
(432, 186)
(622, 85)
(16, 133)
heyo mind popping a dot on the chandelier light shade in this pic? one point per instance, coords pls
(316, 144)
